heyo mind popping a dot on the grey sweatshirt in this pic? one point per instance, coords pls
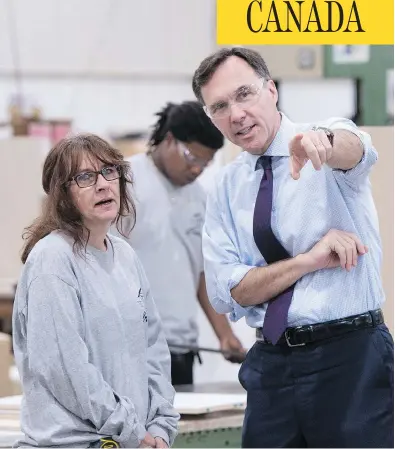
(89, 348)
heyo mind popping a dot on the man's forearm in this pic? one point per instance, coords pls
(264, 283)
(347, 150)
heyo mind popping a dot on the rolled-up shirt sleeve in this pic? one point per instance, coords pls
(222, 266)
(358, 174)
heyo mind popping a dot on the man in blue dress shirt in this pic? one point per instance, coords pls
(291, 242)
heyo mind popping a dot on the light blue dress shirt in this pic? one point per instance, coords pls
(303, 212)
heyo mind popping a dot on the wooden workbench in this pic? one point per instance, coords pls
(218, 429)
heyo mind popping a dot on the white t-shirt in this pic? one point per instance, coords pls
(167, 238)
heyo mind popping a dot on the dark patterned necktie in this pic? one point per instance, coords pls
(276, 316)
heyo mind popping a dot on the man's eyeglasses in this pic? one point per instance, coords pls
(243, 97)
(191, 159)
(89, 178)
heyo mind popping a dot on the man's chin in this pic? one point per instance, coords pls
(254, 151)
(255, 148)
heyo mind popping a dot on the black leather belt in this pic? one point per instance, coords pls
(302, 335)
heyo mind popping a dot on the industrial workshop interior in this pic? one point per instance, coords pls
(118, 73)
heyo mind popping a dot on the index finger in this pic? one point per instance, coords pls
(312, 152)
(295, 167)
(295, 139)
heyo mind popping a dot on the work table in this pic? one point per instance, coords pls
(214, 429)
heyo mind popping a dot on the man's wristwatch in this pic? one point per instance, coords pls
(327, 131)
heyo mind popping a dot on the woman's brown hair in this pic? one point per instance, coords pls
(59, 212)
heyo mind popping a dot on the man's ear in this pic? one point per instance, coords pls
(271, 87)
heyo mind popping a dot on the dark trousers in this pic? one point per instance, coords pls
(334, 393)
(182, 368)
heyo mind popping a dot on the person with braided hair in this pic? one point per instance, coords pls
(167, 236)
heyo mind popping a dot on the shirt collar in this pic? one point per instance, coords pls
(279, 146)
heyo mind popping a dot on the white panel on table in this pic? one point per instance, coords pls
(313, 100)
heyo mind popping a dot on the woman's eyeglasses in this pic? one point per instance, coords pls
(89, 178)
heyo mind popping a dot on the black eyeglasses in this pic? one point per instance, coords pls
(89, 178)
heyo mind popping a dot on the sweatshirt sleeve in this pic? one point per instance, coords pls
(58, 357)
(162, 418)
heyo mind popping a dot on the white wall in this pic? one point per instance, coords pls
(107, 64)
(125, 37)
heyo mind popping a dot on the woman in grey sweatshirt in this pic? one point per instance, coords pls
(88, 342)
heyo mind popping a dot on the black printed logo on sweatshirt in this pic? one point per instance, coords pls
(196, 225)
(140, 297)
(140, 300)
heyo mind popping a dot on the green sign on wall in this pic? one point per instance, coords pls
(372, 75)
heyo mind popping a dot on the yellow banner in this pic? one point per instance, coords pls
(276, 22)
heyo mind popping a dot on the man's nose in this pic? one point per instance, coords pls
(237, 113)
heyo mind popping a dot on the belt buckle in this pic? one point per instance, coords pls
(287, 338)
